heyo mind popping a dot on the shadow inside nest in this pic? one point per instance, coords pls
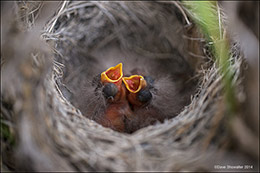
(150, 45)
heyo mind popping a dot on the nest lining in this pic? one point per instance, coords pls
(78, 143)
(138, 42)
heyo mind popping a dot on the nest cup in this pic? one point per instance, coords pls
(88, 38)
(101, 35)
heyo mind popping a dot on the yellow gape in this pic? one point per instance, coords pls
(134, 83)
(113, 74)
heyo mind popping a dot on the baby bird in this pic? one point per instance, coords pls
(138, 91)
(139, 97)
(115, 93)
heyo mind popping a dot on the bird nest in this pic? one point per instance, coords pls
(48, 103)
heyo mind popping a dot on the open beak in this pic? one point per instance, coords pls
(113, 75)
(134, 85)
(112, 81)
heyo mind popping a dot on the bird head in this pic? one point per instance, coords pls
(139, 90)
(112, 81)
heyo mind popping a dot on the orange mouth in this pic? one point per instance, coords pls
(134, 83)
(113, 74)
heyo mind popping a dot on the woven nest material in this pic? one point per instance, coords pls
(46, 104)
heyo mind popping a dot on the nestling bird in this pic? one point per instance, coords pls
(139, 97)
(138, 88)
(117, 107)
